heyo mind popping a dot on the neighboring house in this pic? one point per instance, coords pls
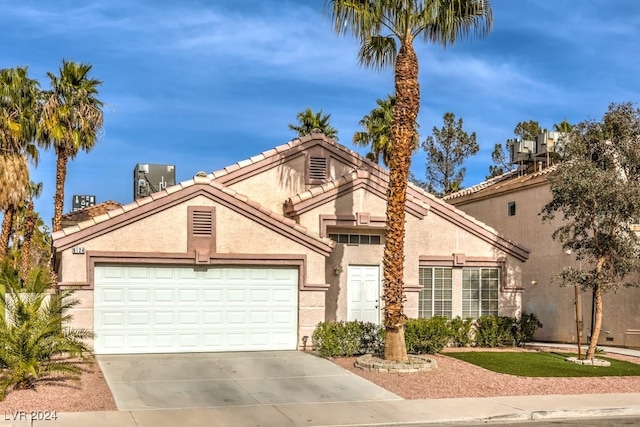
(512, 204)
(84, 214)
(253, 256)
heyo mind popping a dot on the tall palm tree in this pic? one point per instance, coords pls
(377, 133)
(381, 25)
(71, 121)
(30, 218)
(309, 122)
(19, 110)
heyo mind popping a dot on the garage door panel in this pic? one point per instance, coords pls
(218, 309)
(188, 295)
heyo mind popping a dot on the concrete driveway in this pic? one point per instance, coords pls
(200, 380)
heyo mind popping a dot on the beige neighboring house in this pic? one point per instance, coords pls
(253, 256)
(512, 204)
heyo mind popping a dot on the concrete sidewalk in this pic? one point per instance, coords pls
(365, 413)
(369, 413)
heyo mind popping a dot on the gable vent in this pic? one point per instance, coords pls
(318, 168)
(202, 223)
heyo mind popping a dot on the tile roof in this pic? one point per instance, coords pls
(509, 178)
(90, 211)
(199, 179)
(354, 176)
(285, 148)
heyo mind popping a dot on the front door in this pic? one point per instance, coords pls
(363, 288)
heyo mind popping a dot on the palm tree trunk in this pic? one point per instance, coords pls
(29, 226)
(405, 113)
(5, 235)
(58, 203)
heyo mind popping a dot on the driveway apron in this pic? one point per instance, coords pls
(200, 380)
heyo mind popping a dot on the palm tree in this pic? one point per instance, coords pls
(563, 126)
(29, 225)
(380, 25)
(72, 120)
(377, 133)
(309, 122)
(19, 109)
(37, 346)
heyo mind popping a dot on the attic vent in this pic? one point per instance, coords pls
(202, 223)
(318, 168)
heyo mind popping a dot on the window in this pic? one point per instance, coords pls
(436, 295)
(480, 292)
(511, 209)
(356, 239)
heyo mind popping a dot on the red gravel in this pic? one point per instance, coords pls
(454, 378)
(91, 394)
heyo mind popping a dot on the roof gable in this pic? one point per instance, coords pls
(317, 196)
(376, 178)
(175, 195)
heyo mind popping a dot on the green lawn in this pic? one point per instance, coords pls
(543, 364)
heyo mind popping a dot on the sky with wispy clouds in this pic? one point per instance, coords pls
(203, 84)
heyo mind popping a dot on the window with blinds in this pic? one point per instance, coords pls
(436, 296)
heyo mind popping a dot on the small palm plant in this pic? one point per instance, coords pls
(35, 344)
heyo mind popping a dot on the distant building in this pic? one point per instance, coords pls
(82, 201)
(149, 179)
(511, 203)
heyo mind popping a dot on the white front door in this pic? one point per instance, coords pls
(363, 288)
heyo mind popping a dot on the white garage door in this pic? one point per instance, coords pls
(141, 309)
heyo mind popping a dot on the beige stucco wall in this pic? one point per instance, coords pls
(272, 187)
(166, 232)
(543, 295)
(430, 236)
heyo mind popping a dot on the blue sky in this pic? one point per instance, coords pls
(203, 84)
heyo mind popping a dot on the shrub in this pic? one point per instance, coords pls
(347, 338)
(495, 331)
(525, 328)
(461, 331)
(427, 336)
(34, 343)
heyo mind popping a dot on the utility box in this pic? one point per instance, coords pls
(149, 179)
(82, 201)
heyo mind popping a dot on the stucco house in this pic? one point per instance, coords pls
(253, 256)
(512, 204)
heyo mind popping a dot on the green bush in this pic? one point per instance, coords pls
(495, 331)
(35, 344)
(427, 336)
(347, 338)
(525, 328)
(461, 331)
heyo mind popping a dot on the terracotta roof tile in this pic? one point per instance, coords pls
(115, 212)
(90, 211)
(198, 179)
(159, 195)
(232, 167)
(129, 206)
(245, 162)
(508, 178)
(173, 189)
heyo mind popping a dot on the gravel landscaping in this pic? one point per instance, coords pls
(91, 394)
(452, 378)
